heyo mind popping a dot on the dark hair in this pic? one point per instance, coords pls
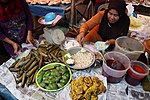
(118, 5)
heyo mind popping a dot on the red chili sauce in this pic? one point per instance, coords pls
(132, 78)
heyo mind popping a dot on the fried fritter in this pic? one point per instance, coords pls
(86, 88)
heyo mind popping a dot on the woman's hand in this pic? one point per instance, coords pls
(80, 37)
(111, 41)
(30, 38)
(16, 47)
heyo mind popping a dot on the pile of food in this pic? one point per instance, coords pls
(49, 2)
(53, 77)
(82, 58)
(86, 88)
(27, 67)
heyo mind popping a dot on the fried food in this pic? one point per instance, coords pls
(86, 88)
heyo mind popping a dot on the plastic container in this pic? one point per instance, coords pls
(136, 73)
(49, 16)
(115, 75)
(54, 35)
(147, 45)
(132, 48)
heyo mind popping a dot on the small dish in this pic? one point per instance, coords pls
(100, 45)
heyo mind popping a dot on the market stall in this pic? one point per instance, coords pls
(59, 68)
(24, 90)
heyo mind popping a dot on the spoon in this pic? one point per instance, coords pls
(147, 56)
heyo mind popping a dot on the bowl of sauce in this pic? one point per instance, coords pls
(136, 73)
(115, 66)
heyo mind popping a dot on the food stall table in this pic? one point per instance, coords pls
(119, 91)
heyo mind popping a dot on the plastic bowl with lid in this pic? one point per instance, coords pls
(131, 47)
(136, 73)
(115, 75)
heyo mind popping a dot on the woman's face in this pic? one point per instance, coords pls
(113, 16)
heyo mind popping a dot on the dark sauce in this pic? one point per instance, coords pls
(114, 64)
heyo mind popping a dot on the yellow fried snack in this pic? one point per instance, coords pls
(86, 88)
(88, 81)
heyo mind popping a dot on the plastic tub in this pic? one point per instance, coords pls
(115, 75)
(147, 45)
(136, 73)
(132, 48)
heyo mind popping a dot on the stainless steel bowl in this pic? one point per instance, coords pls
(74, 50)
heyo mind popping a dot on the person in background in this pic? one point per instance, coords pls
(16, 24)
(106, 25)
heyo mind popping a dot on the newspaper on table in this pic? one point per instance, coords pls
(119, 91)
(141, 33)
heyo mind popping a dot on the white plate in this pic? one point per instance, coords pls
(100, 45)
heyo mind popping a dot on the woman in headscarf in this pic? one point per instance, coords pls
(106, 25)
(16, 24)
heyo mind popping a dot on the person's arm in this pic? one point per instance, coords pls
(15, 46)
(2, 36)
(5, 39)
(91, 23)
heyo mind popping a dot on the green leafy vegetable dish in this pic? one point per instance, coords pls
(53, 77)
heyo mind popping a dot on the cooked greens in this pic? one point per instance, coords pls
(53, 77)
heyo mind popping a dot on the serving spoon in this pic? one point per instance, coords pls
(147, 58)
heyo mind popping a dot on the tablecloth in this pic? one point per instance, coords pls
(42, 10)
